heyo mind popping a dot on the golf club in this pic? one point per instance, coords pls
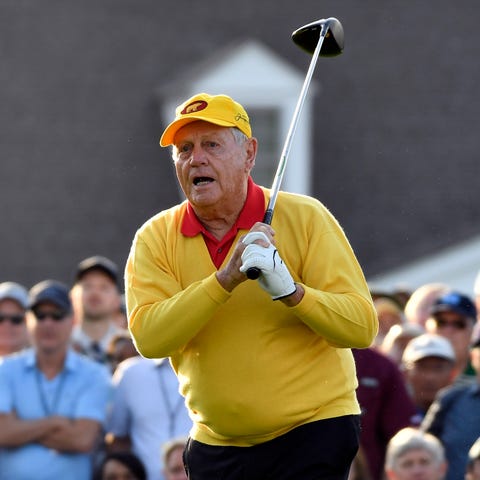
(311, 38)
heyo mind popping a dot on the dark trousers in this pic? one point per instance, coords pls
(321, 450)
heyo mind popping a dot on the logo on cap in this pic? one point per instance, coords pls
(240, 116)
(195, 107)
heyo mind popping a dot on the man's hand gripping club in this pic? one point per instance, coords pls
(274, 277)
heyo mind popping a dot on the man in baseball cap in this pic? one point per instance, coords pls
(459, 404)
(13, 330)
(188, 297)
(429, 365)
(56, 397)
(217, 109)
(453, 315)
(96, 302)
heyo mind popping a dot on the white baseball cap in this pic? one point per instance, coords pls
(14, 291)
(428, 345)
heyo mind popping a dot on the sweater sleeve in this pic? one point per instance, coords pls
(337, 304)
(172, 292)
(155, 298)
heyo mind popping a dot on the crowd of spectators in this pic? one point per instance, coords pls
(431, 339)
(78, 402)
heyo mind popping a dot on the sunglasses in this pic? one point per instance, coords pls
(57, 316)
(456, 324)
(14, 319)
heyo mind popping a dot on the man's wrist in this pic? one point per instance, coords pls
(295, 297)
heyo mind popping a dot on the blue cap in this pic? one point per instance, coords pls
(455, 302)
(50, 291)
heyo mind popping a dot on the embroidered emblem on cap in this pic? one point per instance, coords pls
(240, 116)
(195, 107)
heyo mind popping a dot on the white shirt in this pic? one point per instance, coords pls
(148, 408)
(94, 350)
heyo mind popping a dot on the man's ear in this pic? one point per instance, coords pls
(443, 468)
(251, 148)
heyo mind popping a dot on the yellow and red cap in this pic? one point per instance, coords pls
(217, 109)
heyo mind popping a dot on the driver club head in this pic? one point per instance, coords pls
(307, 37)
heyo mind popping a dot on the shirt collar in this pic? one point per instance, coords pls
(82, 339)
(71, 360)
(160, 361)
(252, 212)
(475, 389)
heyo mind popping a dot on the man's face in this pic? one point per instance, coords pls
(174, 469)
(417, 464)
(51, 327)
(427, 376)
(475, 359)
(456, 328)
(116, 470)
(212, 167)
(13, 330)
(473, 472)
(96, 296)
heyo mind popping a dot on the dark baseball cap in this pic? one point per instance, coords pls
(97, 262)
(455, 302)
(50, 291)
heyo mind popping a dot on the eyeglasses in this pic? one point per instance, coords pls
(456, 324)
(57, 316)
(14, 319)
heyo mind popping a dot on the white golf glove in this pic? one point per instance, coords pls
(274, 276)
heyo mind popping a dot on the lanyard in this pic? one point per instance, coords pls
(172, 410)
(49, 402)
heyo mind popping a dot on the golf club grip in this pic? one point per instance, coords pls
(253, 272)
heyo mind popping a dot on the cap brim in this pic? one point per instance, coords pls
(168, 135)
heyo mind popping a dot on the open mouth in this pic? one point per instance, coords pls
(198, 181)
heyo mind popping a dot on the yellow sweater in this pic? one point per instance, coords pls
(251, 368)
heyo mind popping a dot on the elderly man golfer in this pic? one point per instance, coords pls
(265, 365)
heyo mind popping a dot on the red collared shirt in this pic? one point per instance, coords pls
(252, 212)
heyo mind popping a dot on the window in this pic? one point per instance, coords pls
(265, 126)
(268, 88)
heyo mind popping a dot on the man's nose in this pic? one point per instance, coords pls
(198, 155)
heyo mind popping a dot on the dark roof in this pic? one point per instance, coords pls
(396, 142)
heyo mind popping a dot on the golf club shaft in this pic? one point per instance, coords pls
(253, 272)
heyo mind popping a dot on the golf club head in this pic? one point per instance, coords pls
(307, 37)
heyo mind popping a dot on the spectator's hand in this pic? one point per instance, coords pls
(274, 277)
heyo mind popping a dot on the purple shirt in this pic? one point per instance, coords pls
(385, 402)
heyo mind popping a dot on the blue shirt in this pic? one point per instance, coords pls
(454, 418)
(148, 408)
(81, 390)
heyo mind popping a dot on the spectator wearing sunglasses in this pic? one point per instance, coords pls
(454, 417)
(53, 400)
(453, 316)
(13, 329)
